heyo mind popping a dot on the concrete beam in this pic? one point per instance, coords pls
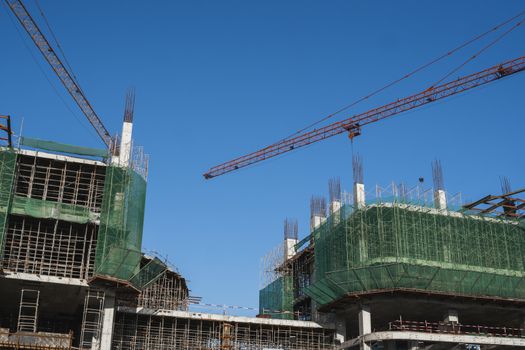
(218, 317)
(433, 338)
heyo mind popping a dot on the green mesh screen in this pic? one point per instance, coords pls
(62, 148)
(38, 208)
(276, 299)
(7, 171)
(119, 241)
(394, 246)
(149, 273)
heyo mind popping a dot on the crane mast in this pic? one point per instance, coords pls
(353, 124)
(25, 19)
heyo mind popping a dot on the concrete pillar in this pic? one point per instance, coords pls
(365, 325)
(108, 319)
(451, 316)
(360, 203)
(125, 143)
(359, 196)
(335, 206)
(316, 221)
(340, 329)
(289, 248)
(440, 199)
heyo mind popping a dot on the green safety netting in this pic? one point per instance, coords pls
(394, 245)
(276, 299)
(38, 208)
(62, 148)
(7, 171)
(149, 273)
(119, 241)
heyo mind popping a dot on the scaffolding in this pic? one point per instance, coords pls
(276, 294)
(49, 247)
(92, 319)
(134, 331)
(7, 173)
(71, 217)
(402, 245)
(53, 206)
(68, 182)
(168, 292)
(28, 310)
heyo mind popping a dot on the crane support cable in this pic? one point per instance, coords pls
(63, 74)
(354, 123)
(420, 68)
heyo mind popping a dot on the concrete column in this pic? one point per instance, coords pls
(335, 206)
(440, 199)
(125, 143)
(340, 329)
(451, 316)
(360, 203)
(316, 221)
(289, 248)
(108, 319)
(365, 325)
(359, 196)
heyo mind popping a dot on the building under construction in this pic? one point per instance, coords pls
(404, 268)
(399, 268)
(73, 274)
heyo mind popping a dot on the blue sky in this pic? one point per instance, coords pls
(217, 79)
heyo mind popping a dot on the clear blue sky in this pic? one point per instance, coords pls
(217, 79)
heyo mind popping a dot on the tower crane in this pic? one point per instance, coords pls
(72, 86)
(352, 125)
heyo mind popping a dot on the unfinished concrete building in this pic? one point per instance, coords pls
(73, 274)
(405, 269)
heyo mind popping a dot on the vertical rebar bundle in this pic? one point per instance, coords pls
(291, 229)
(334, 189)
(317, 206)
(437, 175)
(357, 169)
(505, 185)
(129, 106)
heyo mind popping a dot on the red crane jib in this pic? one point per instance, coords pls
(353, 124)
